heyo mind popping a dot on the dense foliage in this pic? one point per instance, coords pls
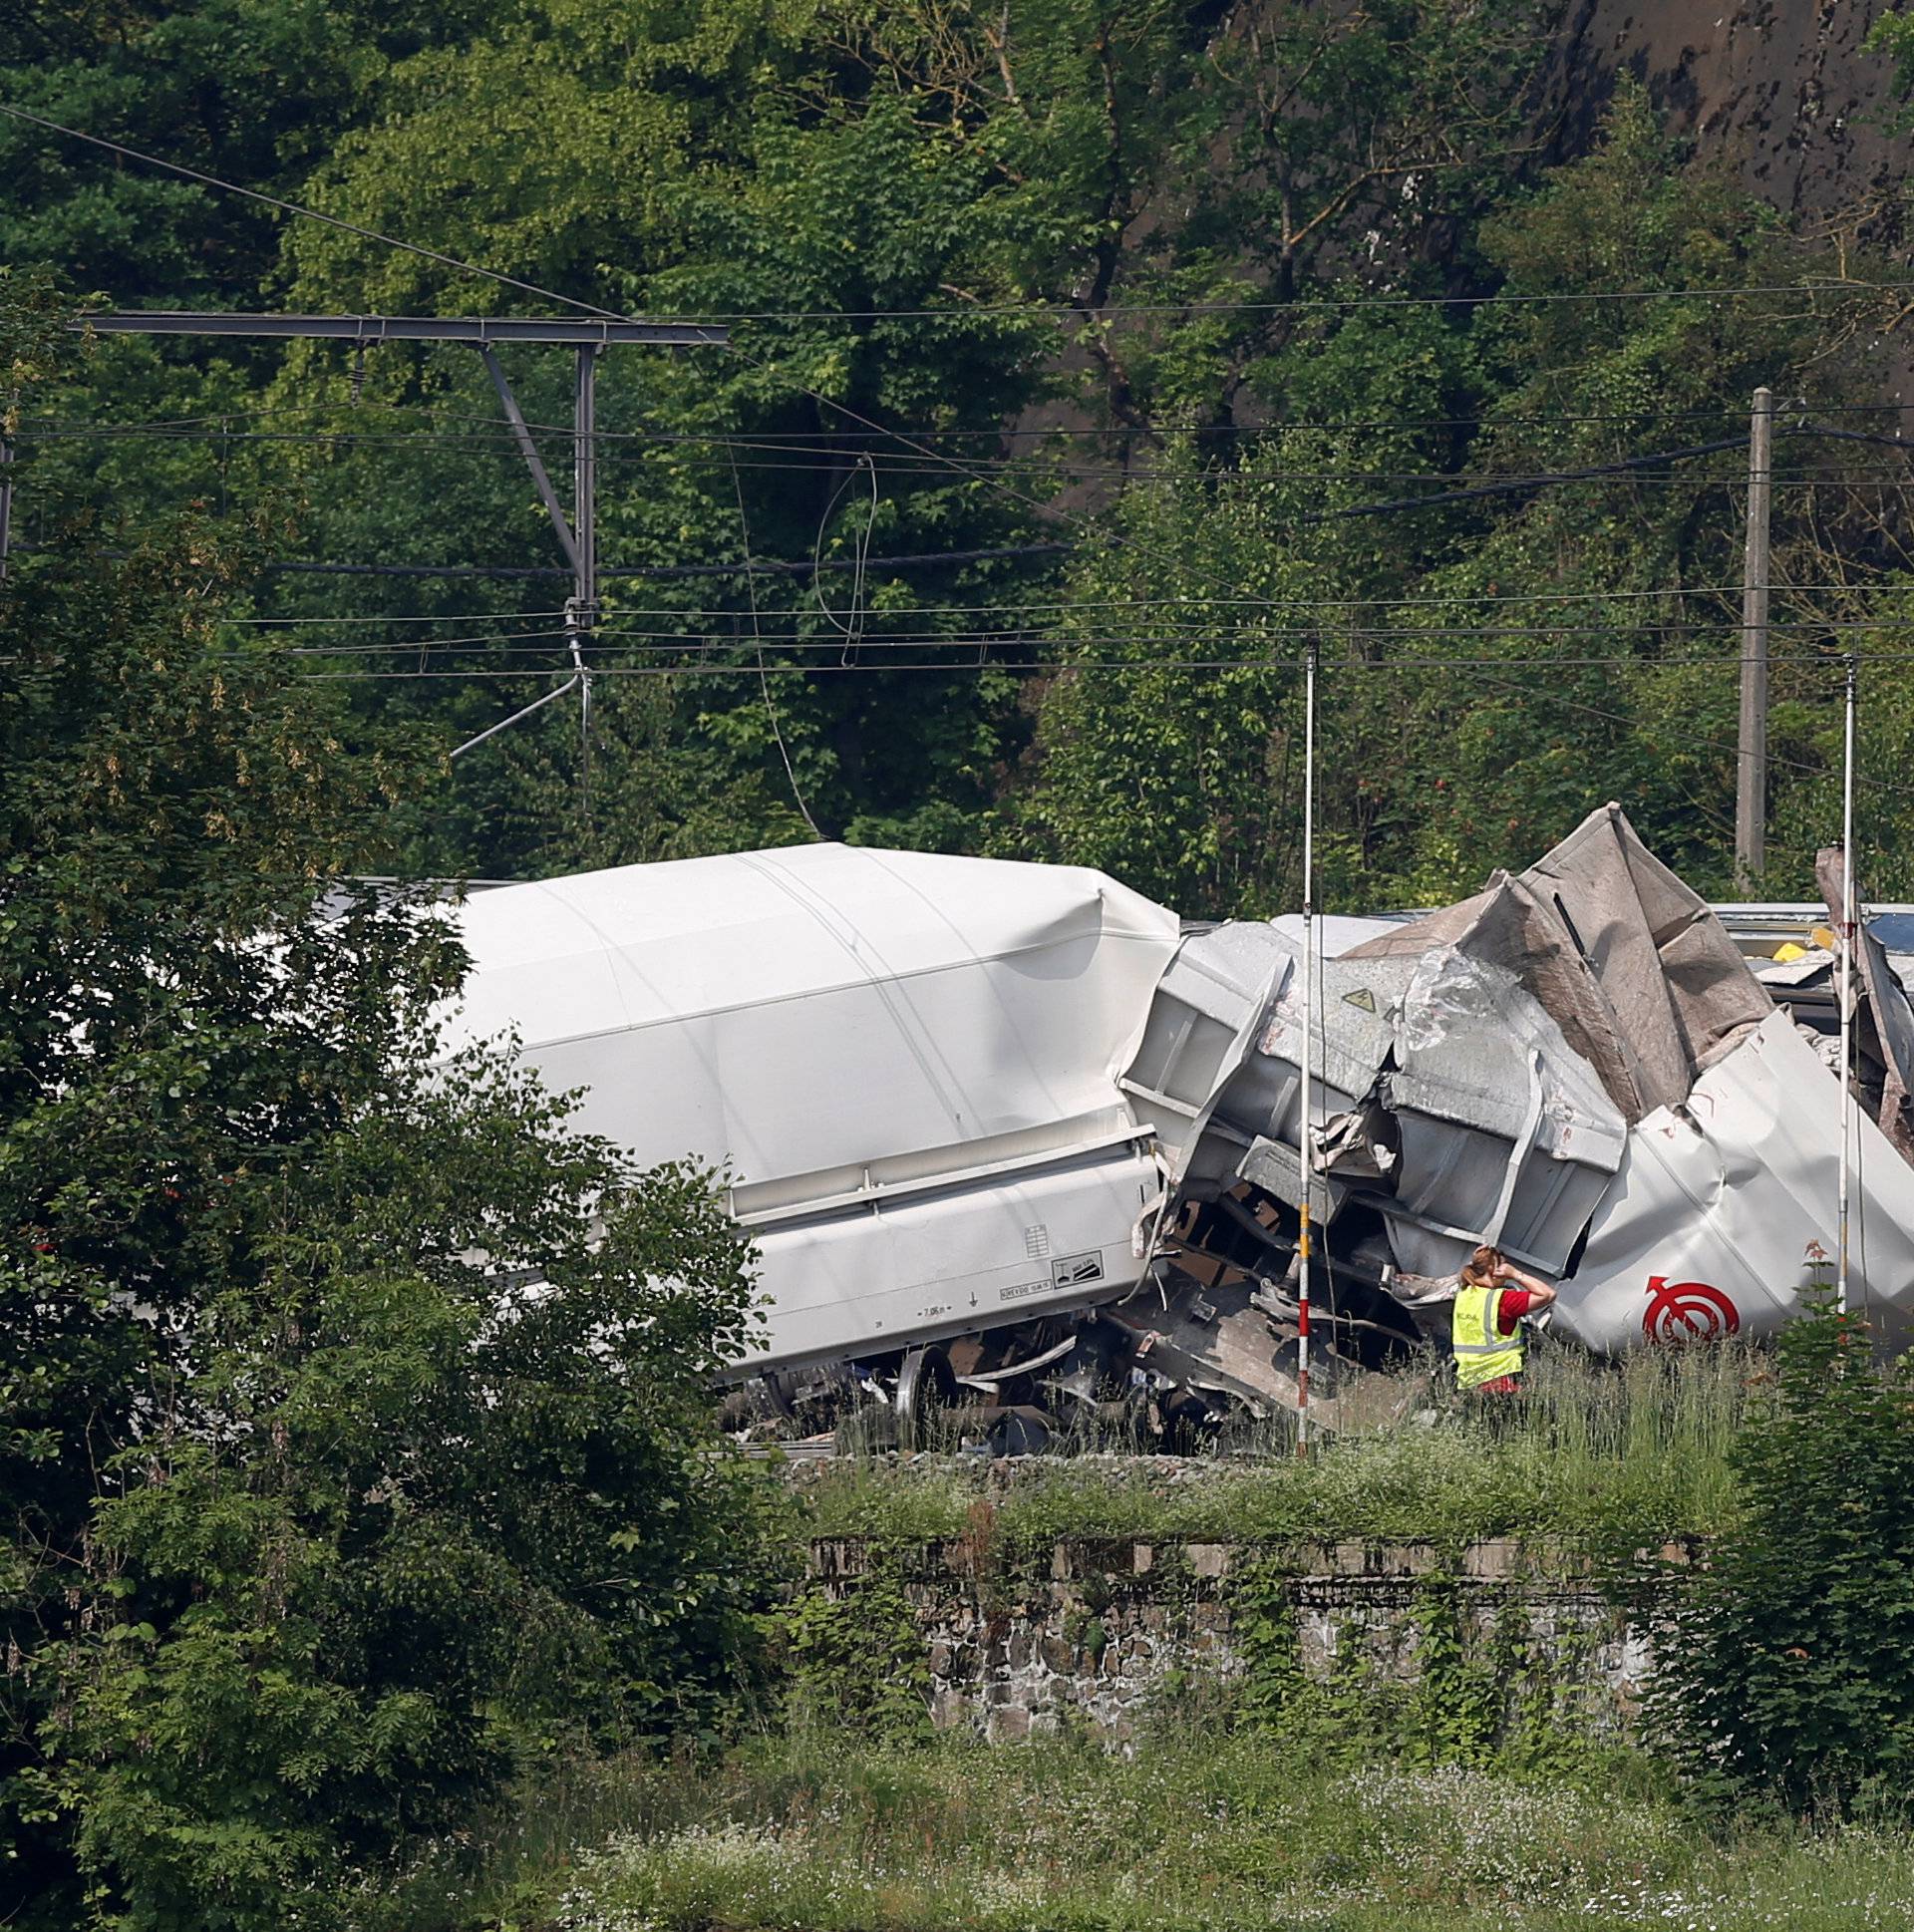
(1161, 301)
(353, 1439)
(1790, 1677)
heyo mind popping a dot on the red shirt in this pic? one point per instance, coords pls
(1511, 1308)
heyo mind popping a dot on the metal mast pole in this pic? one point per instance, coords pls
(1751, 771)
(1306, 1162)
(1847, 972)
(582, 610)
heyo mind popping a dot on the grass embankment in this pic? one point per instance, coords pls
(1223, 1833)
(1229, 1825)
(1592, 1453)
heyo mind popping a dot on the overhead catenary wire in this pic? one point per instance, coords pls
(764, 683)
(1302, 306)
(826, 460)
(838, 408)
(1116, 540)
(1127, 665)
(969, 637)
(1206, 601)
(842, 410)
(488, 429)
(306, 213)
(215, 426)
(394, 617)
(1541, 694)
(1498, 299)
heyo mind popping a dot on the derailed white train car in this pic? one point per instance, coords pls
(1011, 1125)
(905, 1061)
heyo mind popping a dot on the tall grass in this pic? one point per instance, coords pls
(810, 1834)
(1592, 1450)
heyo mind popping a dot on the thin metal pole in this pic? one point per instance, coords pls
(1306, 1161)
(1847, 972)
(537, 704)
(6, 499)
(581, 613)
(522, 435)
(1751, 769)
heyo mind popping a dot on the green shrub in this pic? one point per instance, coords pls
(1789, 1669)
(856, 1658)
(400, 1535)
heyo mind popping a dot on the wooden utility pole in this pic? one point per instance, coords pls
(1751, 776)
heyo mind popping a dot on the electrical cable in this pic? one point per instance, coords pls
(310, 214)
(1250, 636)
(764, 682)
(1313, 304)
(935, 558)
(1061, 606)
(831, 402)
(450, 617)
(1045, 509)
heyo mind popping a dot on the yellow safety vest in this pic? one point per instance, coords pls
(1482, 1351)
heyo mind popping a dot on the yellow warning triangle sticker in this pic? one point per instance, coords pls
(1361, 997)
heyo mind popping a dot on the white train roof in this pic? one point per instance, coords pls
(817, 1006)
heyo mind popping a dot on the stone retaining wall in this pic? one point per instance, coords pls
(1104, 1628)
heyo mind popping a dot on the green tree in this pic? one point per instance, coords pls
(354, 1442)
(1500, 657)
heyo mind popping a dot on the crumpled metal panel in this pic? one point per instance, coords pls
(1724, 1208)
(1216, 1067)
(1642, 979)
(1203, 1022)
(1884, 1024)
(1506, 1135)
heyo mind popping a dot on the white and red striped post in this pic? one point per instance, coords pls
(1306, 1160)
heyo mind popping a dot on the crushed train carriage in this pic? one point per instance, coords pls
(1013, 1135)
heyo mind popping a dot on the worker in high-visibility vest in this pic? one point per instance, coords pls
(1486, 1330)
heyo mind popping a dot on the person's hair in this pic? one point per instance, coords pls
(1481, 1266)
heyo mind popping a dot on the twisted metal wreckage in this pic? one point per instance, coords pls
(1014, 1137)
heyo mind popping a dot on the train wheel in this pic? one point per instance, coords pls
(925, 1387)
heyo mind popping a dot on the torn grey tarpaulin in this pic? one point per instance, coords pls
(1638, 973)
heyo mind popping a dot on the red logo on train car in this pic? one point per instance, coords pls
(1686, 1311)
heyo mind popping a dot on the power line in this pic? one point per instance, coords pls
(688, 611)
(704, 664)
(418, 644)
(310, 214)
(761, 565)
(822, 460)
(685, 636)
(1046, 509)
(449, 617)
(1540, 479)
(838, 408)
(1307, 305)
(1311, 304)
(211, 425)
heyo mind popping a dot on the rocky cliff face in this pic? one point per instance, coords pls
(1781, 90)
